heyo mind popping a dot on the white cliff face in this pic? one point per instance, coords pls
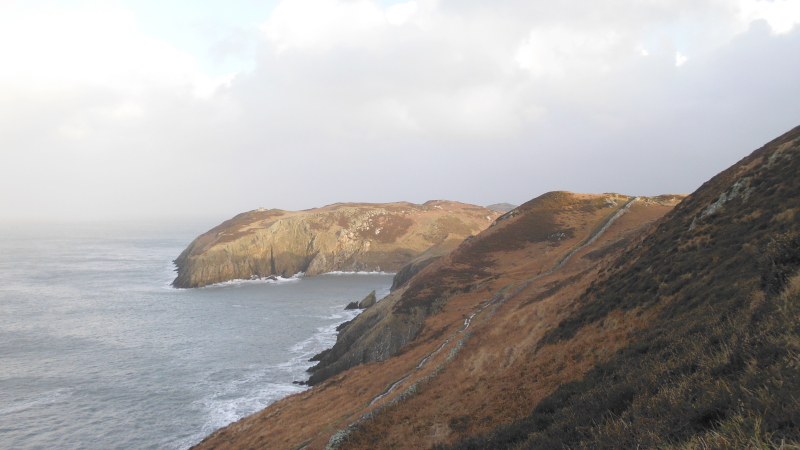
(342, 237)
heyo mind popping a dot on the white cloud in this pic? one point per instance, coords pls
(322, 24)
(558, 50)
(95, 46)
(781, 15)
(400, 13)
(528, 95)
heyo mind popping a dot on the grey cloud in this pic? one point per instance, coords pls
(393, 121)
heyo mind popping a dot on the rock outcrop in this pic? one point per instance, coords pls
(409, 270)
(368, 301)
(341, 237)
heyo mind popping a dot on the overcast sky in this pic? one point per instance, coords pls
(143, 109)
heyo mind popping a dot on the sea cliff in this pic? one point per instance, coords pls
(341, 237)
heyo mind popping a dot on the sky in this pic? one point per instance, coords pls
(137, 109)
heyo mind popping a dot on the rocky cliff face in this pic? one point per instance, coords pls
(341, 237)
(553, 226)
(579, 321)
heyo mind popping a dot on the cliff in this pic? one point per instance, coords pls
(339, 237)
(552, 227)
(579, 321)
(408, 338)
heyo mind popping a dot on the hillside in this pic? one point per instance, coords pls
(409, 335)
(715, 364)
(340, 237)
(502, 207)
(579, 321)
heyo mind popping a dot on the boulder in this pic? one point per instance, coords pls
(368, 301)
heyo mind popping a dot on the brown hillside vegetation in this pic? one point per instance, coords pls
(579, 321)
(716, 365)
(502, 281)
(340, 237)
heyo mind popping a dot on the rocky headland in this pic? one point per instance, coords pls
(578, 321)
(344, 237)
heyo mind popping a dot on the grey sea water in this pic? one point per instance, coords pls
(98, 352)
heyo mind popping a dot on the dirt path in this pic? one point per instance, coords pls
(339, 437)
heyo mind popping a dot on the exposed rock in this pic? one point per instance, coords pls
(321, 354)
(368, 301)
(343, 325)
(351, 305)
(342, 237)
(411, 269)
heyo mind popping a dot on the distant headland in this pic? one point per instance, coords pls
(348, 237)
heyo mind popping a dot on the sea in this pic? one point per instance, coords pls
(98, 351)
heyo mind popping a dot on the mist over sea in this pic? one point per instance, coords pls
(97, 351)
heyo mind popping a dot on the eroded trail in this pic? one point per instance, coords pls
(464, 327)
(501, 296)
(498, 299)
(596, 234)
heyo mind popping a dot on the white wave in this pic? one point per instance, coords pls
(45, 398)
(376, 272)
(167, 275)
(224, 410)
(167, 284)
(324, 338)
(241, 282)
(235, 399)
(231, 400)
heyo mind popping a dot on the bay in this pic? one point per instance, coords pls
(98, 351)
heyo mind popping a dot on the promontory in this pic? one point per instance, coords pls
(346, 237)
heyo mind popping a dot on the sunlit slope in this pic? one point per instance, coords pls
(579, 321)
(339, 237)
(710, 304)
(460, 329)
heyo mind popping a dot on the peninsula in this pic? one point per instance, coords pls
(347, 237)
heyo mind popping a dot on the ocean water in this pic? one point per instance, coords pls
(97, 351)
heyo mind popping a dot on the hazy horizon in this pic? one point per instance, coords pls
(143, 110)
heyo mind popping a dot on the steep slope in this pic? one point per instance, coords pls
(716, 365)
(340, 237)
(579, 321)
(540, 253)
